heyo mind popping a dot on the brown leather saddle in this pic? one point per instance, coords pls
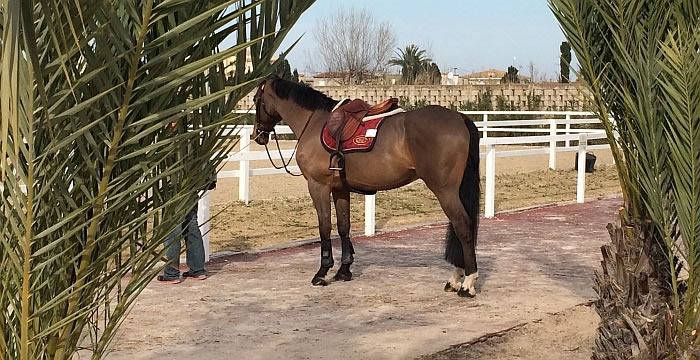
(343, 123)
(345, 120)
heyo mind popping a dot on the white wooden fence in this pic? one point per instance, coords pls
(558, 129)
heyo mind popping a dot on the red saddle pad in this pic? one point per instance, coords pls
(362, 140)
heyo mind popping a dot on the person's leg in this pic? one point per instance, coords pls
(172, 243)
(195, 245)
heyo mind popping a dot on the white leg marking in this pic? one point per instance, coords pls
(469, 283)
(456, 280)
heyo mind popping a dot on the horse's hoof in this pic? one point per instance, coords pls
(319, 281)
(343, 276)
(465, 293)
(449, 287)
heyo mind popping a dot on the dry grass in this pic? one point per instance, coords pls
(268, 222)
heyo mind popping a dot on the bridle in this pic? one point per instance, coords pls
(260, 104)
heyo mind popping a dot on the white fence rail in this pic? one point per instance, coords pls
(553, 129)
(244, 156)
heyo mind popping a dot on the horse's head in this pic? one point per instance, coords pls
(266, 115)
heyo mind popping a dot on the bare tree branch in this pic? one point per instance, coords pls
(532, 69)
(353, 46)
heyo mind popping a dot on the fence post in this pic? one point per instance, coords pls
(489, 205)
(244, 173)
(568, 129)
(553, 144)
(369, 215)
(581, 180)
(484, 129)
(203, 217)
(616, 135)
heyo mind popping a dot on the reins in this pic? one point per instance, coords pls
(286, 163)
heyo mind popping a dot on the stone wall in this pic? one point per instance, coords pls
(552, 96)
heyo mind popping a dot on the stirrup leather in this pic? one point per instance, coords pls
(341, 161)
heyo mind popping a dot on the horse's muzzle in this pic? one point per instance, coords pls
(262, 138)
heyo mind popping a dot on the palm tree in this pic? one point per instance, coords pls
(92, 180)
(412, 61)
(640, 59)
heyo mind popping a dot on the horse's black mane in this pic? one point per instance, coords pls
(303, 95)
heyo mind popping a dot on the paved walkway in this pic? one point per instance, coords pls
(264, 307)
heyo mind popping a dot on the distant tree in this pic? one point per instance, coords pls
(295, 75)
(511, 76)
(564, 61)
(534, 74)
(429, 74)
(412, 61)
(353, 44)
(434, 75)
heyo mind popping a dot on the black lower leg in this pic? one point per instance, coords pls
(326, 263)
(347, 259)
(342, 208)
(348, 252)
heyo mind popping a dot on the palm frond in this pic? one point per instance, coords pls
(640, 61)
(680, 83)
(93, 179)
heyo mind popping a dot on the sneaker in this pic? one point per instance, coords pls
(187, 274)
(165, 280)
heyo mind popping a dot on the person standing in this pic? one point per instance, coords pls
(194, 247)
(194, 243)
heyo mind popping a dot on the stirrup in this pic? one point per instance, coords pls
(341, 162)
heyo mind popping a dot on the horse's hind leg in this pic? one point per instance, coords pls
(461, 225)
(320, 194)
(454, 283)
(342, 211)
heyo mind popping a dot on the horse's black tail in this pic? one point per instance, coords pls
(469, 194)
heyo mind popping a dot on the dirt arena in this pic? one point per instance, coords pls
(534, 287)
(534, 291)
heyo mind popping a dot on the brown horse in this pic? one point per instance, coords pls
(435, 144)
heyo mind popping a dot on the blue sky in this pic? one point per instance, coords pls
(469, 35)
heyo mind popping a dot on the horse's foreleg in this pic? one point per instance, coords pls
(342, 211)
(320, 194)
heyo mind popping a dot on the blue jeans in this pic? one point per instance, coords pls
(194, 246)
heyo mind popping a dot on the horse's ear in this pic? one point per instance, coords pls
(272, 79)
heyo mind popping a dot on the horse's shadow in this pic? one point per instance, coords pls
(379, 258)
(371, 262)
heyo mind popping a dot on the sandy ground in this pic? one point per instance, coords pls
(565, 335)
(283, 220)
(262, 306)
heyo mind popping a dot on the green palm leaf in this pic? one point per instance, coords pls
(88, 88)
(640, 60)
